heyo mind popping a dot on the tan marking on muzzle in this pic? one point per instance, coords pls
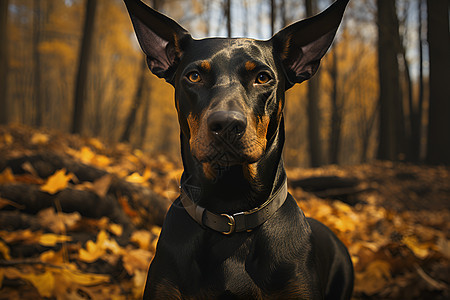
(250, 172)
(194, 124)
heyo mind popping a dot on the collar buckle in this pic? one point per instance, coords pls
(231, 222)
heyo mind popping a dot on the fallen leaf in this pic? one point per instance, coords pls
(116, 229)
(443, 246)
(51, 240)
(96, 143)
(142, 238)
(5, 202)
(420, 250)
(39, 138)
(137, 178)
(27, 166)
(86, 279)
(123, 201)
(101, 185)
(139, 279)
(4, 250)
(6, 139)
(57, 222)
(6, 176)
(44, 283)
(57, 182)
(11, 237)
(374, 278)
(96, 250)
(137, 259)
(52, 257)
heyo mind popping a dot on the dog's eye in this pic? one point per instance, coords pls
(194, 77)
(262, 78)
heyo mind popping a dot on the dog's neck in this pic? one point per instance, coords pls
(239, 187)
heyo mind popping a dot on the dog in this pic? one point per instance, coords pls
(235, 232)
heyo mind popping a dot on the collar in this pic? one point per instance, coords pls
(237, 222)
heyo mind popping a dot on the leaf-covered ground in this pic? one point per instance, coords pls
(80, 219)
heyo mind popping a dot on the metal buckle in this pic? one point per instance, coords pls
(231, 222)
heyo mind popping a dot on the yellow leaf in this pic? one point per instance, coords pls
(85, 279)
(420, 250)
(116, 229)
(96, 143)
(137, 178)
(137, 259)
(142, 238)
(92, 252)
(50, 239)
(95, 250)
(57, 182)
(101, 160)
(139, 279)
(39, 138)
(4, 250)
(86, 154)
(6, 139)
(374, 278)
(44, 283)
(6, 176)
(50, 256)
(18, 236)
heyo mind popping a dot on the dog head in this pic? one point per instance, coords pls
(229, 92)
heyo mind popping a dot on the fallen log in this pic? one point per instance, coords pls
(150, 206)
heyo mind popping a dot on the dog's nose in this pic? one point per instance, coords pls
(228, 124)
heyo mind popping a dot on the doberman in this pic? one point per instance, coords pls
(235, 232)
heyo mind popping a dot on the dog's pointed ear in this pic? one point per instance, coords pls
(303, 44)
(160, 37)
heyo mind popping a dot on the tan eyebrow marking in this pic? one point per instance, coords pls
(205, 65)
(250, 65)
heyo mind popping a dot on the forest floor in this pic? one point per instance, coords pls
(79, 219)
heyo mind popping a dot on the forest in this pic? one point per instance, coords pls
(90, 152)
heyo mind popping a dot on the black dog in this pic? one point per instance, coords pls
(235, 232)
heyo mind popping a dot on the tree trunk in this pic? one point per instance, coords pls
(336, 113)
(438, 146)
(81, 79)
(313, 95)
(391, 131)
(283, 14)
(227, 10)
(3, 62)
(417, 113)
(137, 101)
(273, 14)
(38, 101)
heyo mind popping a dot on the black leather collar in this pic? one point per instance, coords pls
(237, 222)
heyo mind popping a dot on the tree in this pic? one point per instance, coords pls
(391, 131)
(227, 11)
(438, 145)
(37, 82)
(273, 14)
(3, 61)
(416, 120)
(137, 101)
(336, 112)
(313, 112)
(81, 79)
